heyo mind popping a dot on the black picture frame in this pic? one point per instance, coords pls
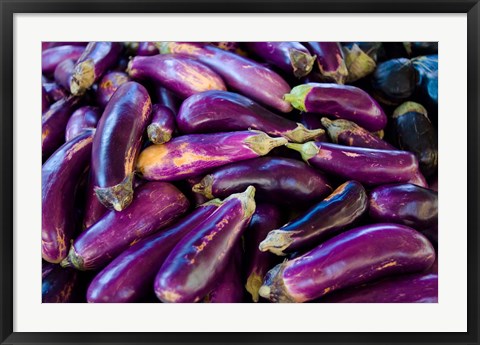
(7, 175)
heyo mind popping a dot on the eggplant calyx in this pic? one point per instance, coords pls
(264, 291)
(157, 135)
(301, 134)
(277, 241)
(307, 150)
(83, 77)
(73, 260)
(262, 143)
(247, 199)
(163, 47)
(117, 197)
(254, 282)
(409, 107)
(297, 96)
(359, 64)
(335, 128)
(204, 187)
(302, 63)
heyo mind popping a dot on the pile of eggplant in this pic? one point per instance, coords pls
(228, 172)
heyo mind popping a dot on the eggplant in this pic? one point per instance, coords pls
(45, 100)
(54, 91)
(348, 133)
(58, 284)
(144, 48)
(93, 209)
(167, 98)
(117, 144)
(291, 57)
(359, 64)
(54, 122)
(375, 50)
(281, 180)
(109, 83)
(334, 214)
(53, 56)
(427, 83)
(222, 111)
(355, 257)
(155, 206)
(233, 47)
(341, 101)
(265, 218)
(97, 58)
(415, 133)
(61, 174)
(405, 204)
(368, 166)
(394, 81)
(193, 267)
(130, 276)
(83, 118)
(330, 61)
(182, 75)
(194, 154)
(241, 74)
(162, 126)
(63, 73)
(410, 288)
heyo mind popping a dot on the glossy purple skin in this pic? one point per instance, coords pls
(182, 75)
(411, 288)
(348, 133)
(154, 206)
(266, 217)
(147, 49)
(239, 73)
(130, 276)
(48, 45)
(107, 86)
(97, 58)
(61, 174)
(93, 209)
(58, 284)
(162, 126)
(341, 101)
(330, 60)
(53, 56)
(291, 57)
(194, 266)
(222, 111)
(54, 91)
(63, 73)
(45, 100)
(118, 143)
(194, 154)
(165, 97)
(367, 166)
(81, 119)
(329, 217)
(355, 257)
(405, 204)
(279, 180)
(54, 122)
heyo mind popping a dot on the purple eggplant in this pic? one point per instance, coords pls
(329, 217)
(291, 57)
(265, 218)
(410, 288)
(58, 284)
(54, 91)
(97, 58)
(369, 166)
(109, 83)
(130, 276)
(144, 48)
(348, 133)
(193, 267)
(63, 73)
(276, 179)
(330, 61)
(161, 129)
(182, 75)
(341, 101)
(194, 154)
(358, 62)
(45, 100)
(239, 73)
(167, 98)
(81, 119)
(48, 45)
(222, 111)
(93, 209)
(54, 122)
(155, 205)
(53, 56)
(61, 174)
(355, 257)
(117, 144)
(405, 204)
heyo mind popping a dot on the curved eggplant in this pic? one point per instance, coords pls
(191, 270)
(394, 81)
(369, 166)
(60, 175)
(339, 210)
(239, 73)
(194, 154)
(291, 57)
(58, 284)
(97, 58)
(330, 60)
(81, 119)
(117, 144)
(222, 111)
(155, 205)
(276, 179)
(161, 129)
(93, 209)
(109, 83)
(63, 73)
(341, 101)
(130, 276)
(53, 56)
(355, 257)
(167, 98)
